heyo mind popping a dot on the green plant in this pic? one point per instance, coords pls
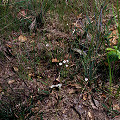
(93, 44)
(113, 54)
(110, 110)
(114, 51)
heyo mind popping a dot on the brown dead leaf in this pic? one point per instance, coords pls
(55, 60)
(22, 38)
(15, 69)
(22, 13)
(80, 16)
(31, 75)
(113, 28)
(116, 105)
(90, 115)
(85, 96)
(36, 109)
(11, 81)
(103, 95)
(78, 26)
(49, 36)
(71, 91)
(0, 89)
(77, 86)
(9, 46)
(116, 117)
(74, 88)
(113, 37)
(104, 21)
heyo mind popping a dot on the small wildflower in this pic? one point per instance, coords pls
(67, 24)
(86, 79)
(66, 65)
(67, 61)
(47, 45)
(73, 31)
(60, 63)
(64, 61)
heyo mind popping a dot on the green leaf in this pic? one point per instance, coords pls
(119, 57)
(115, 47)
(110, 49)
(113, 52)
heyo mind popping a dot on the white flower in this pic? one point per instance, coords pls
(66, 65)
(47, 45)
(86, 79)
(64, 61)
(60, 63)
(67, 23)
(67, 61)
(73, 31)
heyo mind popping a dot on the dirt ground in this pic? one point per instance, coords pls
(74, 99)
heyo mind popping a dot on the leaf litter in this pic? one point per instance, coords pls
(70, 101)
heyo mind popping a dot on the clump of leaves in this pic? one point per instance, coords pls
(115, 51)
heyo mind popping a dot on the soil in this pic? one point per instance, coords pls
(74, 100)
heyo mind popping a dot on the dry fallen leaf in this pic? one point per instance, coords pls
(90, 115)
(116, 105)
(11, 81)
(55, 60)
(30, 75)
(49, 36)
(9, 46)
(80, 16)
(36, 109)
(74, 88)
(74, 85)
(22, 38)
(113, 37)
(72, 91)
(103, 95)
(22, 13)
(0, 89)
(116, 117)
(85, 96)
(15, 69)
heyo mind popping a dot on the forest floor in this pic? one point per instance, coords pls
(42, 75)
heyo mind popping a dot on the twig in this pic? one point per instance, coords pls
(73, 107)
